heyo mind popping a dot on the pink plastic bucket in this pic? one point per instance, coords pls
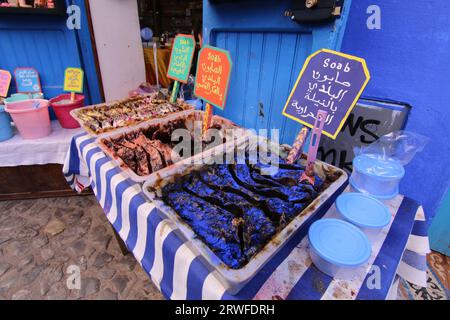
(62, 107)
(31, 117)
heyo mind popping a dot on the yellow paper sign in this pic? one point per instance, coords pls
(73, 80)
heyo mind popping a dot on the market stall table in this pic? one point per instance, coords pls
(51, 149)
(32, 168)
(181, 274)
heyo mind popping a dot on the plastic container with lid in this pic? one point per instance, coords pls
(377, 176)
(365, 212)
(338, 248)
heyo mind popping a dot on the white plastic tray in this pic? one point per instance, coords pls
(196, 114)
(74, 113)
(235, 279)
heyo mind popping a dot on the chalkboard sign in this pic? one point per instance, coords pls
(27, 80)
(213, 76)
(5, 80)
(329, 81)
(181, 57)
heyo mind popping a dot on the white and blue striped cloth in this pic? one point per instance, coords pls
(180, 274)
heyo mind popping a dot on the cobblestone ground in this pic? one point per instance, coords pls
(40, 239)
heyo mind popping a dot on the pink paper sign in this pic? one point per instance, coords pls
(5, 81)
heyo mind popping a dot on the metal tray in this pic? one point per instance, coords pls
(194, 115)
(235, 279)
(75, 114)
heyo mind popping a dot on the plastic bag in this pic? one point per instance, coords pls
(401, 146)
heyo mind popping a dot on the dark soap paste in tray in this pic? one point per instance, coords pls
(149, 150)
(235, 209)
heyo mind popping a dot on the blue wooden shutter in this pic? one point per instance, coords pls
(268, 51)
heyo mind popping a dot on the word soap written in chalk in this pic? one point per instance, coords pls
(330, 81)
(73, 80)
(181, 57)
(27, 80)
(213, 76)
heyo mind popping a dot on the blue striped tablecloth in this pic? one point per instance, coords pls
(180, 274)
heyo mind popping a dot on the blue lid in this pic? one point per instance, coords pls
(339, 242)
(363, 210)
(375, 166)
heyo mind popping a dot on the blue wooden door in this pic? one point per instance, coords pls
(47, 44)
(268, 51)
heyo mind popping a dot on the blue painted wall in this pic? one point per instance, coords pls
(45, 43)
(268, 50)
(409, 60)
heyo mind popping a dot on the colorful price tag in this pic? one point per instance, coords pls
(181, 57)
(5, 81)
(73, 80)
(330, 81)
(27, 80)
(213, 76)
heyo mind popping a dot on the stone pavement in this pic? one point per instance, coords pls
(45, 242)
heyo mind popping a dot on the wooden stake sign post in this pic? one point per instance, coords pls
(27, 80)
(212, 80)
(73, 81)
(328, 87)
(180, 61)
(5, 81)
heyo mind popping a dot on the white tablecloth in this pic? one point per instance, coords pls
(51, 149)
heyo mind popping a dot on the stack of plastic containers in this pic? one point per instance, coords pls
(376, 176)
(339, 248)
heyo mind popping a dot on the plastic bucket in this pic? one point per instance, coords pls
(62, 106)
(6, 130)
(31, 118)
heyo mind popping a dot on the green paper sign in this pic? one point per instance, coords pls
(181, 57)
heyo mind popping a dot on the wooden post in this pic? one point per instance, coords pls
(207, 118)
(314, 142)
(297, 146)
(176, 88)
